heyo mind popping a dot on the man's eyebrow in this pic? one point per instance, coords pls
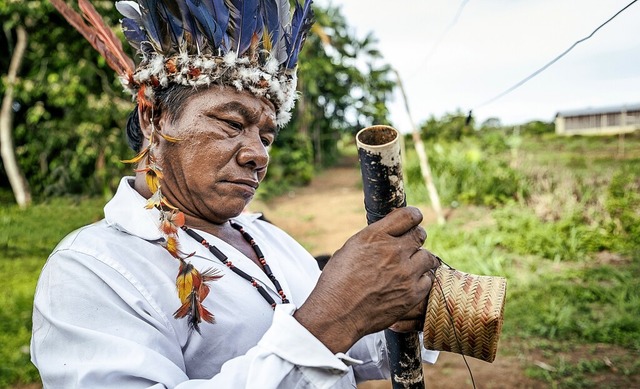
(248, 115)
(241, 109)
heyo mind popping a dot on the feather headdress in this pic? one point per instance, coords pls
(248, 44)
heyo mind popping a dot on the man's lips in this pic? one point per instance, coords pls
(247, 182)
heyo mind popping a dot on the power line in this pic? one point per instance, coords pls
(441, 37)
(520, 83)
(444, 33)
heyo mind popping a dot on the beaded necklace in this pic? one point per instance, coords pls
(224, 259)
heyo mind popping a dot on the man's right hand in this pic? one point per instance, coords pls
(381, 276)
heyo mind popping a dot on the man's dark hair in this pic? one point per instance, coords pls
(169, 100)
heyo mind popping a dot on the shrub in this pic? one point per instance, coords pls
(291, 165)
(623, 204)
(465, 173)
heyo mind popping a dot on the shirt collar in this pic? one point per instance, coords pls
(126, 212)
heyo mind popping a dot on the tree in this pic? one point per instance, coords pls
(537, 127)
(344, 85)
(452, 126)
(70, 108)
(14, 173)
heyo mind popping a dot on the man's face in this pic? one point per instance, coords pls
(214, 170)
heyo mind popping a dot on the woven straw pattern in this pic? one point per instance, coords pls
(476, 304)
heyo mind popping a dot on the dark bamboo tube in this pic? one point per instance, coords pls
(381, 168)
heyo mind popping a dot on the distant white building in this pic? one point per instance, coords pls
(599, 121)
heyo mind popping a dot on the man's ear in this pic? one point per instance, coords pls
(146, 115)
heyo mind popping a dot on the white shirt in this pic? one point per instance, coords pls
(104, 304)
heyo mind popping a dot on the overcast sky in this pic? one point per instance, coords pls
(496, 43)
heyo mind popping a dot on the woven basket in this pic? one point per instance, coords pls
(474, 305)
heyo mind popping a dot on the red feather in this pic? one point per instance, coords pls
(98, 34)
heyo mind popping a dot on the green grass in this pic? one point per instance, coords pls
(572, 365)
(570, 250)
(27, 237)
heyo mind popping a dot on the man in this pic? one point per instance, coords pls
(251, 309)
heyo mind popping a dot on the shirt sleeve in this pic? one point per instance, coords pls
(93, 328)
(372, 351)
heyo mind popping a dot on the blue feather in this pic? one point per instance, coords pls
(151, 23)
(220, 13)
(128, 10)
(284, 30)
(174, 25)
(192, 36)
(269, 13)
(259, 29)
(208, 25)
(300, 25)
(245, 20)
(132, 32)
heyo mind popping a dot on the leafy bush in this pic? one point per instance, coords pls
(465, 173)
(451, 127)
(538, 127)
(291, 165)
(69, 111)
(623, 204)
(494, 140)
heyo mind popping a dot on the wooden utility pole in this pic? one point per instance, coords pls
(7, 151)
(425, 169)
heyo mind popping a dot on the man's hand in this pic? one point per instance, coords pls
(381, 276)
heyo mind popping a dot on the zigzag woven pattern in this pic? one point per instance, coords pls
(476, 309)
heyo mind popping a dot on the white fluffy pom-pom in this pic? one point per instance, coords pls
(283, 118)
(142, 76)
(157, 64)
(230, 59)
(164, 80)
(208, 64)
(243, 61)
(272, 66)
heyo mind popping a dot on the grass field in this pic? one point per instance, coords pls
(567, 237)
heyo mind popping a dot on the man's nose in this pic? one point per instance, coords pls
(253, 152)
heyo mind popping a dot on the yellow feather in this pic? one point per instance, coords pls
(170, 138)
(266, 40)
(153, 181)
(138, 157)
(184, 282)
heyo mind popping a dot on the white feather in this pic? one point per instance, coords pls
(129, 9)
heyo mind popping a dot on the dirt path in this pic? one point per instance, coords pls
(323, 215)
